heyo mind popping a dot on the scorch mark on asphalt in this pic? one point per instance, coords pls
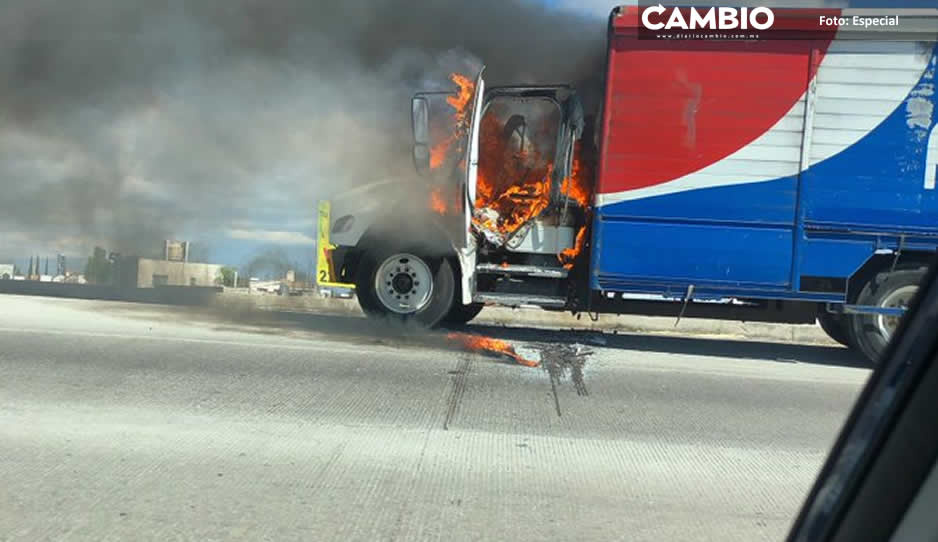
(562, 361)
(559, 361)
(458, 388)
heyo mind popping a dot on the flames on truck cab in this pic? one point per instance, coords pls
(516, 181)
(504, 218)
(460, 103)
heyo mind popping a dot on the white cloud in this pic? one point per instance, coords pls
(277, 237)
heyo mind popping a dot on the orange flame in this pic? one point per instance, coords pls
(516, 205)
(459, 103)
(462, 97)
(568, 255)
(578, 187)
(487, 344)
(504, 185)
(438, 154)
(437, 202)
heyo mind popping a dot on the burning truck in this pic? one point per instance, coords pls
(781, 180)
(505, 185)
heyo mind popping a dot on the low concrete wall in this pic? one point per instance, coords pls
(493, 316)
(810, 333)
(303, 303)
(168, 295)
(499, 316)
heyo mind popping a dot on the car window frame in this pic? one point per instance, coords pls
(857, 494)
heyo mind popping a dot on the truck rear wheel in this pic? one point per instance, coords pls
(870, 333)
(836, 326)
(402, 285)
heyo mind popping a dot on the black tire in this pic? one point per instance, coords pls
(462, 314)
(365, 301)
(836, 326)
(866, 330)
(441, 297)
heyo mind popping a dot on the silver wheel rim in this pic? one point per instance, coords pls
(404, 283)
(897, 299)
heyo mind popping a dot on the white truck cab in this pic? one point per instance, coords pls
(489, 222)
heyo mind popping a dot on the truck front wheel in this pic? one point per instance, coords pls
(403, 285)
(462, 314)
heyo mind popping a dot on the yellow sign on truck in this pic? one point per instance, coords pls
(325, 271)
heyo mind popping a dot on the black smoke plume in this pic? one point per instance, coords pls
(124, 122)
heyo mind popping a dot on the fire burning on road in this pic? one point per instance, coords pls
(477, 343)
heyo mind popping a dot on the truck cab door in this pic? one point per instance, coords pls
(455, 177)
(472, 162)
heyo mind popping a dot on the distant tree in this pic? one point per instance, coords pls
(98, 268)
(228, 276)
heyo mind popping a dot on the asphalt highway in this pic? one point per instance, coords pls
(142, 422)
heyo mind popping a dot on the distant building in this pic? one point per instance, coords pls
(75, 278)
(174, 269)
(176, 251)
(149, 273)
(6, 271)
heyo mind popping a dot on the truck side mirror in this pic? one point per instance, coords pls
(420, 116)
(422, 158)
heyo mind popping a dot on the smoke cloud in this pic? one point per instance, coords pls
(124, 122)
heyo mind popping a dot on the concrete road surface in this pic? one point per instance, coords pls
(122, 421)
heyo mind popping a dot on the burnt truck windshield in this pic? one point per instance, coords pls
(518, 140)
(518, 143)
